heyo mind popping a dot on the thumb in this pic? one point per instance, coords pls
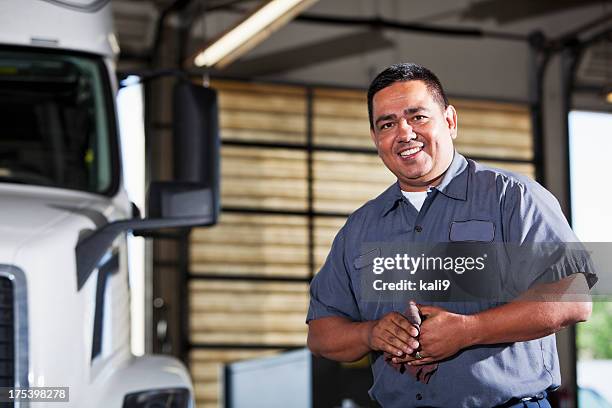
(429, 310)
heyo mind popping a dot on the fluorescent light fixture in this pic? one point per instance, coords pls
(249, 32)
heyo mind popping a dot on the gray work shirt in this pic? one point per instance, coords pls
(503, 207)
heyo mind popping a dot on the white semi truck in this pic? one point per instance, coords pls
(64, 213)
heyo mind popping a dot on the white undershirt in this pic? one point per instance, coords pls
(416, 198)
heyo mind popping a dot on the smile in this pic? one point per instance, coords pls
(408, 153)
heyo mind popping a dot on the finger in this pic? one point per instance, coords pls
(406, 338)
(387, 342)
(403, 323)
(398, 360)
(412, 313)
(410, 341)
(423, 361)
(399, 339)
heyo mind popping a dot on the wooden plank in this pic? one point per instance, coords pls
(265, 203)
(267, 235)
(340, 93)
(234, 269)
(340, 107)
(262, 102)
(202, 403)
(350, 159)
(279, 122)
(270, 338)
(347, 190)
(484, 105)
(337, 126)
(253, 187)
(494, 119)
(227, 355)
(205, 371)
(495, 137)
(257, 87)
(254, 287)
(362, 176)
(263, 322)
(360, 140)
(207, 391)
(239, 168)
(265, 135)
(250, 254)
(262, 155)
(262, 219)
(232, 302)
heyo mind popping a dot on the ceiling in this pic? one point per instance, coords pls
(346, 42)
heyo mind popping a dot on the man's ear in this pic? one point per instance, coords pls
(451, 120)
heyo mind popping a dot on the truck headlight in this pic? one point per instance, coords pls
(159, 398)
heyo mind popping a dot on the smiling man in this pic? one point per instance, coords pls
(486, 353)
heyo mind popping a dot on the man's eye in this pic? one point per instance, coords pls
(418, 118)
(386, 125)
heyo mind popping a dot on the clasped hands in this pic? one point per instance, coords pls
(442, 334)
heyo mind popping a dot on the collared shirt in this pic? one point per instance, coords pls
(489, 205)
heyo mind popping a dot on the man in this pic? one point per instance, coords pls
(489, 354)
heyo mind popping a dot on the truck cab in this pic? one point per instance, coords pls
(64, 214)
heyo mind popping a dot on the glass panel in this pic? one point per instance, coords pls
(590, 144)
(55, 127)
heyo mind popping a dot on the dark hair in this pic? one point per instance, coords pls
(406, 72)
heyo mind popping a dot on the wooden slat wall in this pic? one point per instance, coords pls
(345, 181)
(236, 312)
(230, 312)
(325, 229)
(247, 244)
(261, 112)
(263, 178)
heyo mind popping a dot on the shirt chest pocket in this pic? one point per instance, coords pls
(367, 258)
(472, 231)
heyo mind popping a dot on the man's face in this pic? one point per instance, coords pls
(413, 134)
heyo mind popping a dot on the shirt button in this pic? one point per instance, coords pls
(419, 397)
(418, 228)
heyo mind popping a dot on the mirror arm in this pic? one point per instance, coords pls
(91, 249)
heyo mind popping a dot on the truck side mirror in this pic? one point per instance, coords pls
(196, 158)
(191, 200)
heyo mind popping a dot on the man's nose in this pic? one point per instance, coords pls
(405, 130)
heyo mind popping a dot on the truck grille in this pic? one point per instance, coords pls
(7, 333)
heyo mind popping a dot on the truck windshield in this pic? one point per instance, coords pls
(55, 128)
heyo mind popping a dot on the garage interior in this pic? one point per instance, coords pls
(297, 157)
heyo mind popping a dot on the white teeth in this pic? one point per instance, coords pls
(408, 152)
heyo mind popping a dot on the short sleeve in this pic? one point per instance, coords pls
(331, 291)
(544, 248)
